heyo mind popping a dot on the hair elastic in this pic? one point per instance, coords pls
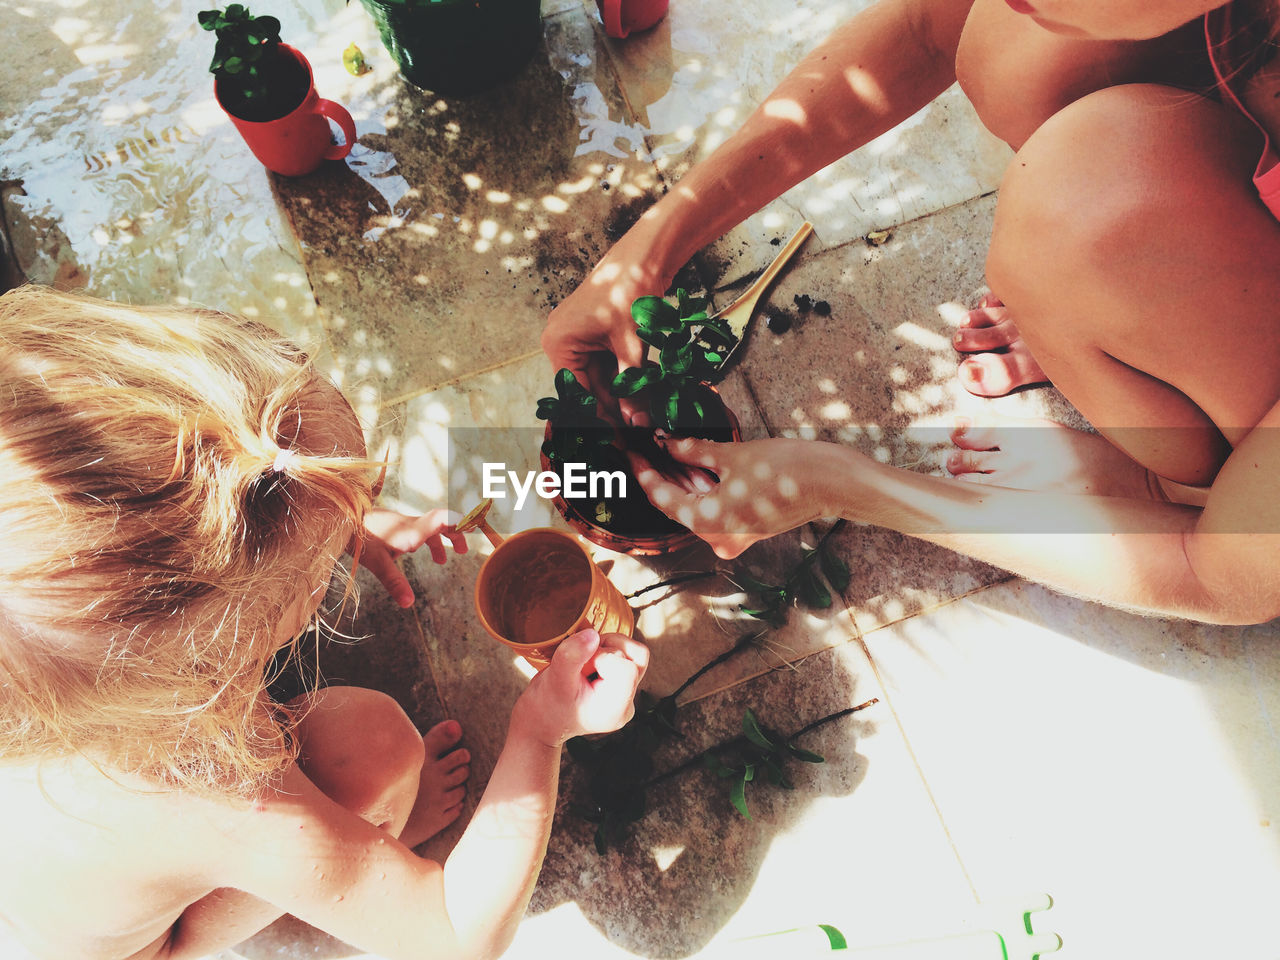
(281, 463)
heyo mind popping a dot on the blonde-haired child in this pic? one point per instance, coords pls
(177, 488)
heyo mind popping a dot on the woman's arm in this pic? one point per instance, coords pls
(1217, 565)
(872, 73)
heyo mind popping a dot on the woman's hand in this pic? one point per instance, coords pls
(592, 332)
(764, 487)
(388, 535)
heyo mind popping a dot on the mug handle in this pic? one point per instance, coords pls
(612, 15)
(338, 113)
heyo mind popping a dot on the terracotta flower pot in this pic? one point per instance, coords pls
(635, 545)
(297, 142)
(539, 587)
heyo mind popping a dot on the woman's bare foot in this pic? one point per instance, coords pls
(1043, 455)
(442, 785)
(1002, 361)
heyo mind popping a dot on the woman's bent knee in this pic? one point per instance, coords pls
(1123, 170)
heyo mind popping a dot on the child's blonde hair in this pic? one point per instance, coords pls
(152, 533)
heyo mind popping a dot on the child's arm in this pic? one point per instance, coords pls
(316, 860)
(388, 535)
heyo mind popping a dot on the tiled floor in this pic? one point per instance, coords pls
(1022, 742)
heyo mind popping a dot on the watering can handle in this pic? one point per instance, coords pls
(476, 519)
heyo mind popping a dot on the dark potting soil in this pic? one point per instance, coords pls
(287, 85)
(634, 515)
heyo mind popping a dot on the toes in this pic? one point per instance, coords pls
(988, 337)
(986, 315)
(971, 461)
(441, 738)
(454, 759)
(995, 374)
(452, 797)
(456, 776)
(967, 436)
(986, 375)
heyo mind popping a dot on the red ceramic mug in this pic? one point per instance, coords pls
(623, 17)
(298, 142)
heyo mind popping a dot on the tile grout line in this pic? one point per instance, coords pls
(454, 381)
(906, 740)
(915, 762)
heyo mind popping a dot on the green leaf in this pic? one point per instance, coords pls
(654, 338)
(738, 797)
(834, 568)
(671, 410)
(566, 383)
(632, 380)
(716, 766)
(748, 582)
(233, 66)
(752, 731)
(208, 19)
(748, 772)
(812, 592)
(673, 361)
(654, 313)
(776, 774)
(807, 756)
(236, 12)
(720, 326)
(712, 357)
(599, 840)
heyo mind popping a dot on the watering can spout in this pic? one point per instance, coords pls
(476, 519)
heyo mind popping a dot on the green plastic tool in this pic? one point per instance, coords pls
(1001, 931)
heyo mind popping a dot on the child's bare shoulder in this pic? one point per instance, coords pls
(109, 863)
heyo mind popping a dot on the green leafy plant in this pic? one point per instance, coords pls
(577, 434)
(619, 767)
(803, 583)
(690, 348)
(246, 45)
(764, 751)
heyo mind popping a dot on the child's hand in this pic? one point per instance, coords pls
(589, 687)
(388, 535)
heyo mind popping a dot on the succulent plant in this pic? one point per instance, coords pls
(245, 45)
(690, 347)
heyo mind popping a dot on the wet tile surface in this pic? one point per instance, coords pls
(698, 75)
(439, 248)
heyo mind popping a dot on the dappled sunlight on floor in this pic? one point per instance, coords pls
(1021, 741)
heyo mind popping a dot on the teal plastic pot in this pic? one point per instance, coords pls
(458, 47)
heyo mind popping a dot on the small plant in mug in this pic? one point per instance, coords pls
(245, 50)
(690, 348)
